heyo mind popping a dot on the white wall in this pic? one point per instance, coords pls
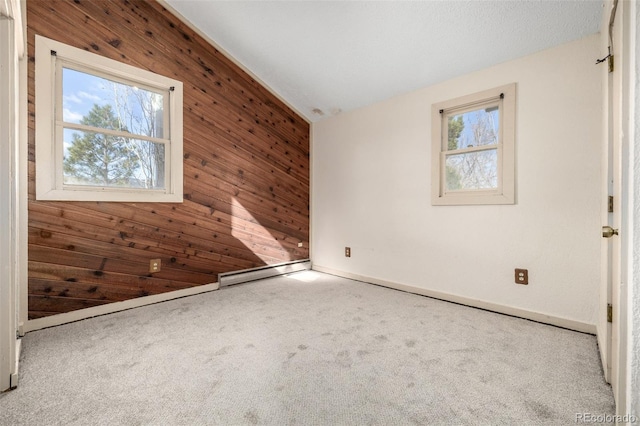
(371, 191)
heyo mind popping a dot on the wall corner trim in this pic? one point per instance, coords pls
(475, 303)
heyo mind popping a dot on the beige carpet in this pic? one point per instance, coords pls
(308, 349)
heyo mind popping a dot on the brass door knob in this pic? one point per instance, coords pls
(608, 232)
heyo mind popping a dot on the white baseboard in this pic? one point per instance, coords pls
(476, 303)
(109, 308)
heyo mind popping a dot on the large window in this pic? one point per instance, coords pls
(105, 131)
(473, 148)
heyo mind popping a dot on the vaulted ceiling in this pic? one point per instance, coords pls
(325, 57)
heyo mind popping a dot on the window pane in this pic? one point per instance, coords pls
(472, 170)
(95, 101)
(473, 128)
(98, 159)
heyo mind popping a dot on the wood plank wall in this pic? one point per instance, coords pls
(246, 171)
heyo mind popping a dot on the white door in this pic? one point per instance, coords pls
(610, 231)
(610, 205)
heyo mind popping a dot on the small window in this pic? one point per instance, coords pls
(473, 148)
(105, 131)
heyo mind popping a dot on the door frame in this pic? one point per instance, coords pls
(626, 122)
(12, 182)
(619, 278)
(7, 284)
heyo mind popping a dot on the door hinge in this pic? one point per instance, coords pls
(609, 312)
(610, 208)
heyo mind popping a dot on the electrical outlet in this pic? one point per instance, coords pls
(347, 251)
(300, 244)
(154, 265)
(522, 276)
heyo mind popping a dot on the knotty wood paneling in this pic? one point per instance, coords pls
(246, 171)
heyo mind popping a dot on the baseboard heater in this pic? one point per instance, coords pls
(246, 275)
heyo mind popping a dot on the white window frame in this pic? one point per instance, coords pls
(49, 143)
(505, 97)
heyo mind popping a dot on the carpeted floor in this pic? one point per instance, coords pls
(308, 349)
